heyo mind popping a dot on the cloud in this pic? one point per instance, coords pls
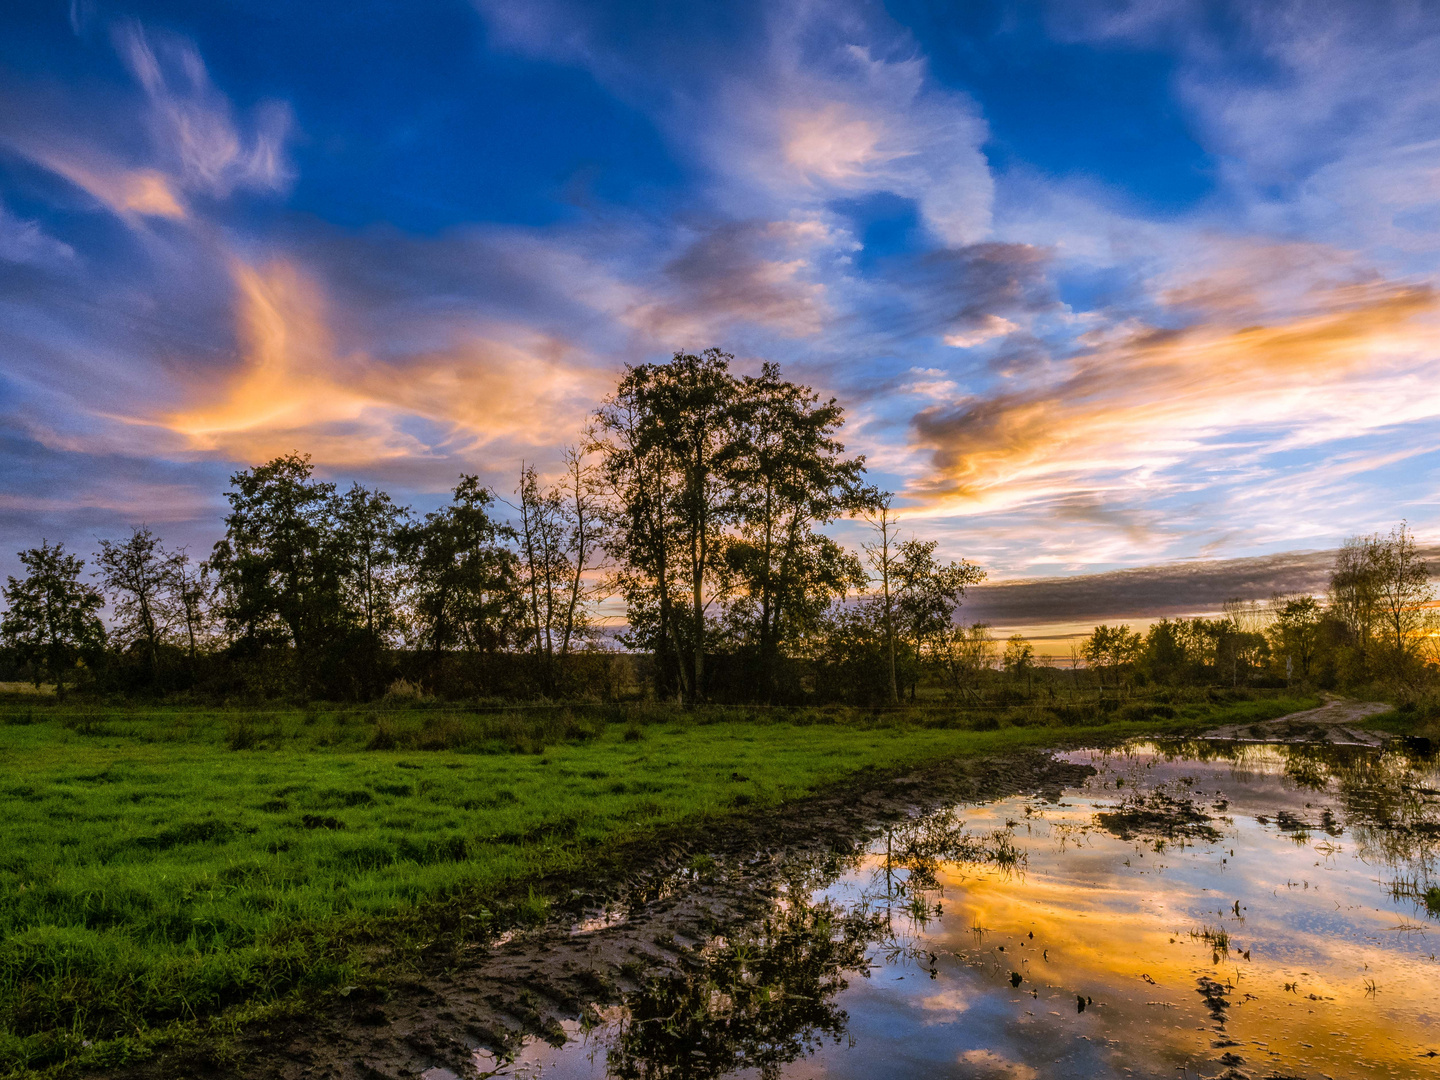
(1146, 592)
(750, 271)
(293, 387)
(1142, 398)
(187, 142)
(26, 242)
(192, 124)
(988, 1064)
(840, 112)
(1321, 119)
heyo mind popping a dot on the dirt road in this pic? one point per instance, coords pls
(1334, 722)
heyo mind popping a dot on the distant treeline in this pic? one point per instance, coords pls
(1377, 624)
(698, 498)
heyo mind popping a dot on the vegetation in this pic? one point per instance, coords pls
(697, 497)
(1375, 632)
(166, 864)
(191, 834)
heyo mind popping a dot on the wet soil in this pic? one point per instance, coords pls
(1334, 723)
(623, 929)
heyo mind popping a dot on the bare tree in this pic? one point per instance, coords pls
(582, 511)
(882, 556)
(544, 565)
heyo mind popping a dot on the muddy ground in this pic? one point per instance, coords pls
(620, 931)
(1334, 722)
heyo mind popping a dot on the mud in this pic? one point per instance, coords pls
(622, 933)
(1159, 814)
(1333, 723)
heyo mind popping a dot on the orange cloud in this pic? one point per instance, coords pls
(294, 389)
(128, 192)
(1142, 398)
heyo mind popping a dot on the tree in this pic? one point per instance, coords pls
(1402, 590)
(966, 653)
(584, 535)
(1295, 632)
(927, 594)
(545, 568)
(50, 617)
(668, 441)
(463, 579)
(279, 568)
(1166, 656)
(1019, 658)
(196, 595)
(882, 556)
(1112, 649)
(367, 528)
(146, 585)
(789, 477)
(1354, 592)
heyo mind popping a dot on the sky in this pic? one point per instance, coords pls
(1101, 284)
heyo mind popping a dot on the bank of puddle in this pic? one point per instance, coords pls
(1195, 909)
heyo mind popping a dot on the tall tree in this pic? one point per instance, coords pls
(1295, 631)
(789, 477)
(668, 441)
(145, 583)
(579, 497)
(463, 577)
(1354, 592)
(279, 567)
(1112, 649)
(544, 565)
(882, 554)
(928, 596)
(50, 617)
(368, 525)
(1402, 590)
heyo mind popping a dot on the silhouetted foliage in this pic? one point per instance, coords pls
(708, 493)
(50, 620)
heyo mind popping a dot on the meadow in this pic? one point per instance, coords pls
(170, 868)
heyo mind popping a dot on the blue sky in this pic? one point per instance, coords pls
(1100, 283)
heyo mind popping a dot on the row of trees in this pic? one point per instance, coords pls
(699, 498)
(1377, 622)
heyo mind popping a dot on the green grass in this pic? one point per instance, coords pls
(164, 866)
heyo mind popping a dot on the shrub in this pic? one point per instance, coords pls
(382, 738)
(241, 735)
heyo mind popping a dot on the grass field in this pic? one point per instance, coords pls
(162, 867)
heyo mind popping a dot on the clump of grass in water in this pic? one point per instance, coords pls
(1432, 900)
(1215, 936)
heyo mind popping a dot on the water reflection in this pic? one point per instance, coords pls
(1196, 909)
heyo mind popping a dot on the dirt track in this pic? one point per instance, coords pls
(1334, 722)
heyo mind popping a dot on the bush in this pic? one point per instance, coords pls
(241, 735)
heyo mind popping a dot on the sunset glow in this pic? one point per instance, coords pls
(1099, 285)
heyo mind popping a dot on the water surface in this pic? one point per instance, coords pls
(1195, 909)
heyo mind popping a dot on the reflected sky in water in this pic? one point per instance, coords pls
(1293, 939)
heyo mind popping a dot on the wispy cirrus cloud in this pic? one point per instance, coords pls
(192, 144)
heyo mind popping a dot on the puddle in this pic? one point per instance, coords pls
(1197, 909)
